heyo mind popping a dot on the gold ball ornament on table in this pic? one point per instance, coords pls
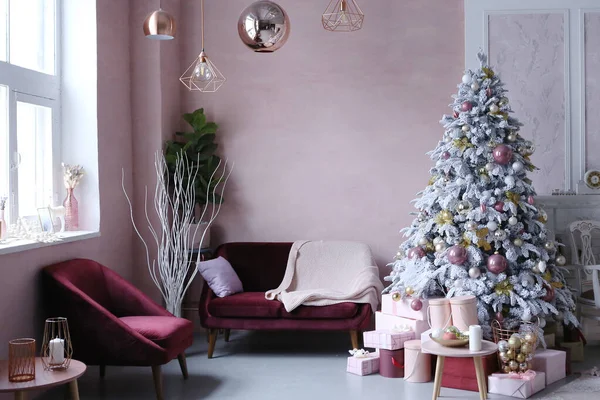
(523, 366)
(514, 366)
(520, 357)
(264, 26)
(511, 353)
(514, 342)
(526, 348)
(503, 357)
(506, 369)
(530, 338)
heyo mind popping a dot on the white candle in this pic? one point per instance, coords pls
(56, 349)
(475, 337)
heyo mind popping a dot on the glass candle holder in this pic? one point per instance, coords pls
(21, 360)
(57, 350)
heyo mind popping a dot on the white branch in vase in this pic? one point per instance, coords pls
(174, 205)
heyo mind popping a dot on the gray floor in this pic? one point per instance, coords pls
(269, 366)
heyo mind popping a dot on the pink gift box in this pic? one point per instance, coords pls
(363, 365)
(552, 362)
(393, 322)
(521, 386)
(402, 307)
(386, 339)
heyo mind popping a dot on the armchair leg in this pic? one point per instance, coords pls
(354, 338)
(102, 371)
(157, 375)
(183, 365)
(226, 334)
(212, 341)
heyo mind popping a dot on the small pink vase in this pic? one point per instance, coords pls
(71, 211)
(3, 226)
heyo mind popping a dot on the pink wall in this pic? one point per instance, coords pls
(20, 303)
(329, 134)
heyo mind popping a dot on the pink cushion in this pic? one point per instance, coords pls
(245, 305)
(167, 332)
(220, 276)
(334, 311)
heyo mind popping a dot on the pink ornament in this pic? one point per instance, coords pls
(455, 115)
(497, 263)
(499, 206)
(457, 255)
(483, 207)
(445, 155)
(499, 316)
(416, 252)
(549, 296)
(466, 106)
(502, 154)
(488, 92)
(416, 304)
(530, 200)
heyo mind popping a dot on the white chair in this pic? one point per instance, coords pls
(585, 267)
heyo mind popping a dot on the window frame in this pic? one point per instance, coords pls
(38, 88)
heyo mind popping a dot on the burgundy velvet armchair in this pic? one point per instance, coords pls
(260, 267)
(112, 322)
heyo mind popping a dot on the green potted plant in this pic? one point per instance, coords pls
(199, 146)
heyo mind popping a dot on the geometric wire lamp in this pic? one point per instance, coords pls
(202, 75)
(343, 16)
(160, 25)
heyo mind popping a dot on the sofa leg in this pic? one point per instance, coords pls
(354, 338)
(102, 371)
(226, 334)
(212, 341)
(157, 375)
(183, 365)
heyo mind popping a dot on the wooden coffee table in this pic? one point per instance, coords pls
(43, 379)
(442, 352)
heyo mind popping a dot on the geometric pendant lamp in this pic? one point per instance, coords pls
(202, 74)
(160, 25)
(343, 16)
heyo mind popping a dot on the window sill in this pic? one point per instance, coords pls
(17, 245)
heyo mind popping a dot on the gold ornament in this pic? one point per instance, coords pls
(462, 143)
(504, 287)
(520, 357)
(557, 285)
(513, 365)
(530, 338)
(432, 180)
(503, 357)
(511, 137)
(523, 367)
(526, 348)
(488, 72)
(513, 197)
(444, 217)
(409, 291)
(481, 242)
(506, 369)
(396, 296)
(482, 171)
(503, 101)
(514, 342)
(543, 218)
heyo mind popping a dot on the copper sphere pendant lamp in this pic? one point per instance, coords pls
(160, 25)
(202, 75)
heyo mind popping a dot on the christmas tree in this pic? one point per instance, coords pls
(479, 230)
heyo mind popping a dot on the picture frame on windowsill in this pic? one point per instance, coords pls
(45, 218)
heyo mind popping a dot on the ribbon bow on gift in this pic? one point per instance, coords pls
(359, 353)
(401, 328)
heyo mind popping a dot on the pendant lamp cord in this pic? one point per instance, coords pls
(202, 18)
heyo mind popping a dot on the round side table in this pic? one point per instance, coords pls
(43, 379)
(442, 352)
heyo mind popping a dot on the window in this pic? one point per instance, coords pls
(29, 105)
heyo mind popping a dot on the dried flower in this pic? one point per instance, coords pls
(72, 175)
(3, 202)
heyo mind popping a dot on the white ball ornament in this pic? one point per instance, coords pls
(489, 167)
(549, 246)
(465, 128)
(474, 86)
(528, 280)
(513, 221)
(541, 265)
(518, 242)
(466, 79)
(494, 108)
(510, 181)
(561, 260)
(423, 241)
(500, 235)
(517, 166)
(471, 225)
(437, 239)
(492, 226)
(535, 269)
(439, 247)
(474, 272)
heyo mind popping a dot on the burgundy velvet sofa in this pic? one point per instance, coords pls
(260, 267)
(111, 322)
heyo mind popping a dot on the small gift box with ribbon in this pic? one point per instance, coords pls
(361, 362)
(407, 307)
(387, 321)
(519, 385)
(389, 339)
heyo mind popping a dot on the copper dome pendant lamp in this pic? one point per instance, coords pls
(343, 16)
(160, 25)
(202, 75)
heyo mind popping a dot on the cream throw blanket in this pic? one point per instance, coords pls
(321, 273)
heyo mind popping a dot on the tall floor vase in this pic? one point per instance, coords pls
(71, 211)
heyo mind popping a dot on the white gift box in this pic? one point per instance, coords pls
(521, 386)
(363, 365)
(386, 339)
(551, 362)
(393, 322)
(402, 307)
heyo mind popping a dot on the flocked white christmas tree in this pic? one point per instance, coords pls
(479, 230)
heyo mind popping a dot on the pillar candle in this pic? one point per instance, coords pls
(475, 337)
(56, 349)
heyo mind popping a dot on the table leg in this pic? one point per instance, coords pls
(438, 377)
(480, 377)
(74, 389)
(20, 395)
